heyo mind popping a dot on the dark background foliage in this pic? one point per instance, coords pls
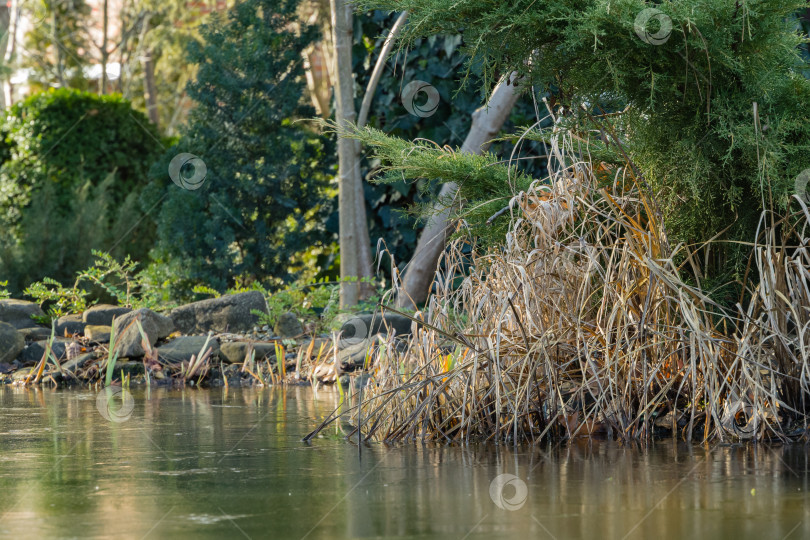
(268, 198)
(394, 208)
(265, 198)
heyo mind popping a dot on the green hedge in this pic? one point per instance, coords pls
(73, 166)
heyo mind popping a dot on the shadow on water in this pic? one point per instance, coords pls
(218, 463)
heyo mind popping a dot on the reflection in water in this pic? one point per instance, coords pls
(219, 463)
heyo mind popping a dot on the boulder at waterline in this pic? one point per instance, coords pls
(69, 325)
(18, 313)
(11, 342)
(49, 373)
(183, 348)
(102, 314)
(288, 326)
(20, 374)
(354, 356)
(98, 333)
(127, 367)
(78, 361)
(33, 352)
(325, 373)
(236, 351)
(128, 337)
(229, 313)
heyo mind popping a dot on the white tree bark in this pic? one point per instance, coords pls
(486, 123)
(368, 97)
(9, 50)
(105, 55)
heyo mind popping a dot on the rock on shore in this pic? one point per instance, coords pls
(128, 337)
(19, 313)
(229, 313)
(11, 342)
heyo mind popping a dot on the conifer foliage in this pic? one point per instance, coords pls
(714, 108)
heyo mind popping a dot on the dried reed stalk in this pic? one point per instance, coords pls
(581, 325)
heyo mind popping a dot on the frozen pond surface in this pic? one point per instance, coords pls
(222, 463)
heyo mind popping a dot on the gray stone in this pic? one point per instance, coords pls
(354, 356)
(5, 368)
(288, 326)
(236, 351)
(21, 374)
(229, 313)
(35, 333)
(181, 349)
(11, 342)
(361, 327)
(128, 337)
(339, 320)
(33, 352)
(78, 361)
(18, 313)
(102, 314)
(69, 325)
(98, 333)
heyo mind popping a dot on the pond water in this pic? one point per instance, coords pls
(223, 463)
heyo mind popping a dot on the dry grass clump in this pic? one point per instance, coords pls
(581, 326)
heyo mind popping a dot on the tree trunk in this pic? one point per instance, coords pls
(368, 97)
(105, 25)
(318, 82)
(5, 26)
(366, 290)
(150, 90)
(60, 57)
(364, 267)
(486, 123)
(10, 51)
(348, 201)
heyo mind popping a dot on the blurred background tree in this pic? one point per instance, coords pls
(56, 45)
(133, 47)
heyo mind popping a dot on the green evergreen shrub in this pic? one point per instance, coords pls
(73, 165)
(688, 118)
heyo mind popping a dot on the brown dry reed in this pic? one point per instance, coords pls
(581, 326)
